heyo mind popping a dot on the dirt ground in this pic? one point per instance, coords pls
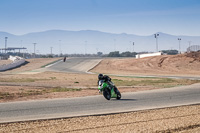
(49, 85)
(22, 87)
(182, 64)
(31, 64)
(5, 62)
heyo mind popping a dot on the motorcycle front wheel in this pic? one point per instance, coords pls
(106, 94)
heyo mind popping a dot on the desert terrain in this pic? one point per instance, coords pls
(181, 64)
(15, 85)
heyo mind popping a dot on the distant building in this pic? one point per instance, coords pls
(193, 48)
(9, 49)
(4, 52)
(148, 55)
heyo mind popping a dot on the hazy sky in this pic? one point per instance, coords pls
(140, 17)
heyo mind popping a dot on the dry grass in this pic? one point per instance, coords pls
(154, 82)
(50, 85)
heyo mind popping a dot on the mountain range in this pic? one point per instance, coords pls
(91, 41)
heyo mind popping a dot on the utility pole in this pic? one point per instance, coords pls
(133, 46)
(179, 39)
(51, 50)
(5, 43)
(34, 48)
(156, 36)
(60, 47)
(85, 47)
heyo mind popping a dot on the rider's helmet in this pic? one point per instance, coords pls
(100, 77)
(106, 78)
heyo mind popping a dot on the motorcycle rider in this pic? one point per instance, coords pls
(104, 78)
(100, 81)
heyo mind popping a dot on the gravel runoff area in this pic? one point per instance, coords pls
(182, 119)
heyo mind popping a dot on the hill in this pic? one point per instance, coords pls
(182, 64)
(90, 41)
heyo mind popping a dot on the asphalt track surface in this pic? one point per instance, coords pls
(95, 105)
(74, 65)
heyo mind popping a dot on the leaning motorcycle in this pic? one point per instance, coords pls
(109, 90)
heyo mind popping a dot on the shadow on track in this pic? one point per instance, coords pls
(126, 100)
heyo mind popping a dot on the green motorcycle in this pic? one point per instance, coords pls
(109, 90)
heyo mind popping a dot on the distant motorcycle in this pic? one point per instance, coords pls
(64, 59)
(109, 90)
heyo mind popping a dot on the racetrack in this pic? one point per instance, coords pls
(74, 65)
(91, 105)
(85, 64)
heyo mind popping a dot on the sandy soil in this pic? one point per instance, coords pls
(183, 64)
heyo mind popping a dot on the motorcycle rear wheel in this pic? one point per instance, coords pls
(118, 93)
